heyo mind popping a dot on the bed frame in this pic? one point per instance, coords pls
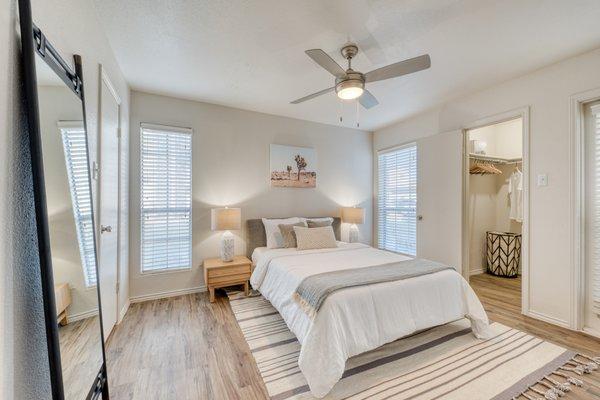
(258, 238)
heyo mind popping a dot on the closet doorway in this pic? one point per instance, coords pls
(495, 207)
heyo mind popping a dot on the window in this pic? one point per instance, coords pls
(593, 207)
(397, 200)
(166, 198)
(76, 160)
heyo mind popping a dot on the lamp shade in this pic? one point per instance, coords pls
(353, 215)
(225, 219)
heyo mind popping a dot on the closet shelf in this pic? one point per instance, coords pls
(495, 160)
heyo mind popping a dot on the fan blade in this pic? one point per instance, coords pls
(323, 59)
(400, 68)
(367, 100)
(312, 96)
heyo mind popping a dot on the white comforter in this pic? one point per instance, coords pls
(355, 320)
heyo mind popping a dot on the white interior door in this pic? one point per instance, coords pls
(439, 198)
(109, 205)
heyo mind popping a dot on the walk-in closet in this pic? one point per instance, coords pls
(495, 198)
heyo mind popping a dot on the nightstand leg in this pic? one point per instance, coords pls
(246, 288)
(211, 293)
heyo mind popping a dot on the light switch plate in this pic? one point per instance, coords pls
(542, 180)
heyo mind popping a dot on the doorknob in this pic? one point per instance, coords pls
(104, 228)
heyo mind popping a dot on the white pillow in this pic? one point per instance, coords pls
(274, 237)
(315, 238)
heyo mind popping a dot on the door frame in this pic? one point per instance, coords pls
(577, 133)
(523, 113)
(104, 79)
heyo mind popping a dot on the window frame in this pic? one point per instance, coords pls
(388, 150)
(172, 129)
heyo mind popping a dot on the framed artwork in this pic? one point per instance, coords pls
(293, 166)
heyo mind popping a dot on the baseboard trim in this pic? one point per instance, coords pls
(82, 315)
(164, 295)
(124, 311)
(477, 271)
(547, 318)
(591, 332)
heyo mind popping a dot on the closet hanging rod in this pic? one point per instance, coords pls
(496, 160)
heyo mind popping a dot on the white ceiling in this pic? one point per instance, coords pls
(250, 54)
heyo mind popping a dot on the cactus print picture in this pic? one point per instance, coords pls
(293, 166)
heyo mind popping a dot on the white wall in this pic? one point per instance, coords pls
(481, 217)
(231, 168)
(8, 134)
(82, 34)
(546, 91)
(503, 140)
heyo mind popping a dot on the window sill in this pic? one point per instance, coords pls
(166, 271)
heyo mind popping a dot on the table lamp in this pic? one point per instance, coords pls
(226, 219)
(353, 215)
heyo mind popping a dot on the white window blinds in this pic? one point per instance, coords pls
(76, 160)
(594, 172)
(397, 200)
(166, 198)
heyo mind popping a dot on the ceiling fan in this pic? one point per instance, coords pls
(350, 84)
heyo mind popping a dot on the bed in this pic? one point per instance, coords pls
(354, 320)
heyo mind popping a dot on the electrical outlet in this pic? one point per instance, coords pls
(542, 180)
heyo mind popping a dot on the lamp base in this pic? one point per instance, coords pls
(353, 234)
(227, 247)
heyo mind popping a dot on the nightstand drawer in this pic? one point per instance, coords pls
(233, 279)
(226, 271)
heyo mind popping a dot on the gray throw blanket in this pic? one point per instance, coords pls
(314, 290)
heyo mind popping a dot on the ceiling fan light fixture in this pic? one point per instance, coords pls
(350, 84)
(350, 89)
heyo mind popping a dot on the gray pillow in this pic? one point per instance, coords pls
(288, 234)
(318, 224)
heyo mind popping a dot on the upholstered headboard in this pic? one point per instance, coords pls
(258, 238)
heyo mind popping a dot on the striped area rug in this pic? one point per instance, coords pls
(446, 362)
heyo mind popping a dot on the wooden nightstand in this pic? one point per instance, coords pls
(218, 274)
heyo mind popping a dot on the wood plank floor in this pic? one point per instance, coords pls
(181, 348)
(81, 355)
(186, 348)
(501, 298)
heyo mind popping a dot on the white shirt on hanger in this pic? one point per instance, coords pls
(515, 194)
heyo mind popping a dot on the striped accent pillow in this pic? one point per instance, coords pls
(319, 223)
(315, 238)
(288, 234)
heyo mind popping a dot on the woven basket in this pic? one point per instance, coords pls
(503, 253)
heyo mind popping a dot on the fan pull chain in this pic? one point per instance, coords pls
(341, 110)
(357, 114)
